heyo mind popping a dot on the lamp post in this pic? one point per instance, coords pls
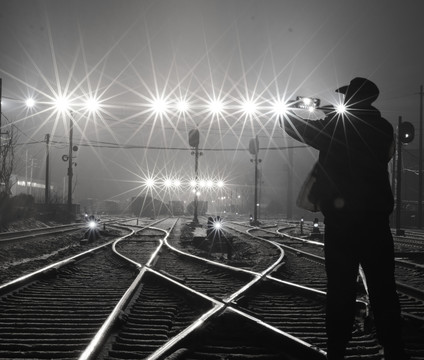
(69, 159)
(193, 140)
(254, 149)
(405, 135)
(1, 90)
(47, 185)
(420, 163)
(290, 180)
(70, 171)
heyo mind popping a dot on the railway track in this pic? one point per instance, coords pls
(22, 254)
(222, 327)
(161, 298)
(54, 313)
(409, 275)
(15, 236)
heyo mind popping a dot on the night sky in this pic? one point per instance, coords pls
(129, 54)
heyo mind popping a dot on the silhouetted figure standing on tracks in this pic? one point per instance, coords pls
(353, 192)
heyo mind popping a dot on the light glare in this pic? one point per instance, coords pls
(183, 106)
(62, 103)
(216, 107)
(249, 107)
(160, 106)
(280, 107)
(341, 108)
(150, 182)
(30, 102)
(92, 104)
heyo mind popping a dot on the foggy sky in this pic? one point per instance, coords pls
(128, 52)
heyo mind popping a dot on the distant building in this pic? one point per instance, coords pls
(35, 187)
(95, 206)
(176, 207)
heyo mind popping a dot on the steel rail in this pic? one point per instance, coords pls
(31, 276)
(93, 347)
(102, 334)
(314, 350)
(228, 301)
(218, 307)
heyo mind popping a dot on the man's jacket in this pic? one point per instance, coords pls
(354, 150)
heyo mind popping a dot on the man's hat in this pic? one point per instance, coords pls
(360, 88)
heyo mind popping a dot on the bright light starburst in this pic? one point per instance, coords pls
(160, 106)
(30, 102)
(249, 107)
(279, 107)
(341, 108)
(216, 107)
(62, 104)
(183, 106)
(92, 104)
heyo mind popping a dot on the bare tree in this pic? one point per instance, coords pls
(8, 143)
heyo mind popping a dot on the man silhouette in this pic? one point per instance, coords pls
(353, 192)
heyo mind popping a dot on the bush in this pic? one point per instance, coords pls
(15, 208)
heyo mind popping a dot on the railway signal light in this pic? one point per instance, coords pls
(406, 132)
(254, 146)
(193, 138)
(316, 233)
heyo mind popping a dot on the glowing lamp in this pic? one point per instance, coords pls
(150, 182)
(183, 106)
(280, 107)
(249, 107)
(341, 108)
(406, 132)
(167, 183)
(220, 184)
(92, 104)
(304, 102)
(217, 225)
(30, 102)
(62, 103)
(215, 107)
(159, 106)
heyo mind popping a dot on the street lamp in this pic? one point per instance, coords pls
(193, 140)
(254, 149)
(69, 158)
(62, 104)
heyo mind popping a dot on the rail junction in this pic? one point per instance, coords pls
(149, 291)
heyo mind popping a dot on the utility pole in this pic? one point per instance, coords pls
(405, 134)
(255, 209)
(26, 172)
(47, 188)
(1, 86)
(196, 189)
(254, 150)
(31, 178)
(399, 179)
(290, 180)
(194, 140)
(70, 162)
(420, 163)
(1, 114)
